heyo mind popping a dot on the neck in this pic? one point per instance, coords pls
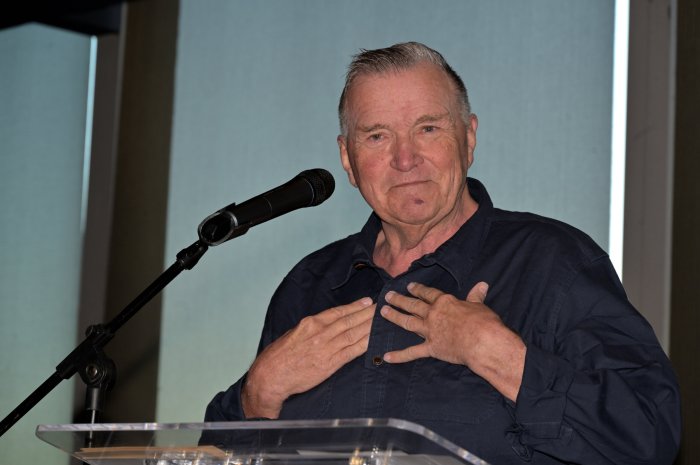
(399, 245)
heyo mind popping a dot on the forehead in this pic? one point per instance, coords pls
(421, 88)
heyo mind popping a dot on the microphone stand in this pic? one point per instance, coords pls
(88, 358)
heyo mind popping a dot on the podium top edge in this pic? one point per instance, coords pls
(239, 425)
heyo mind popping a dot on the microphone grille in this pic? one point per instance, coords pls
(322, 184)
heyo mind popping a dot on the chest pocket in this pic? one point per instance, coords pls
(441, 391)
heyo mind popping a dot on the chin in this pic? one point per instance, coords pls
(416, 216)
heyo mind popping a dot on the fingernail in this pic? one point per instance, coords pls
(366, 301)
(410, 286)
(385, 310)
(389, 295)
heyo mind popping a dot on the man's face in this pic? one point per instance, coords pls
(408, 148)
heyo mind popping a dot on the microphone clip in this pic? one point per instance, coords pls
(219, 227)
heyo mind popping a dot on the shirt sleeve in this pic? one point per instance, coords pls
(226, 405)
(603, 391)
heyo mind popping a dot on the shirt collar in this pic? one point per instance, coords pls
(455, 255)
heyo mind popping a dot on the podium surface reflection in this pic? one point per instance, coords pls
(364, 441)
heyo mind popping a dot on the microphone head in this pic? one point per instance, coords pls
(322, 184)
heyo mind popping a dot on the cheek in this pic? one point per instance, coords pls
(369, 166)
(447, 156)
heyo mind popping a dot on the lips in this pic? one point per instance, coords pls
(409, 184)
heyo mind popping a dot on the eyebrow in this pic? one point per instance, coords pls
(433, 118)
(429, 118)
(373, 127)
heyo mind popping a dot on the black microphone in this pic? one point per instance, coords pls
(307, 189)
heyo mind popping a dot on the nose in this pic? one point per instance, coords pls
(405, 156)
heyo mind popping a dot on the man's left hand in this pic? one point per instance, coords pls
(465, 332)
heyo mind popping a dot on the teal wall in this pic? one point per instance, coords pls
(43, 91)
(257, 85)
(255, 102)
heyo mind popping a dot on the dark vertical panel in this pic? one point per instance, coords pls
(647, 235)
(141, 190)
(685, 291)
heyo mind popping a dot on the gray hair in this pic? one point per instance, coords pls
(398, 57)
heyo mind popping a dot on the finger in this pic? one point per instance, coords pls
(407, 322)
(350, 321)
(356, 306)
(478, 293)
(409, 304)
(346, 331)
(322, 328)
(351, 335)
(349, 353)
(408, 354)
(335, 313)
(423, 292)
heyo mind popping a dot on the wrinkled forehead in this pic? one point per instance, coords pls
(400, 88)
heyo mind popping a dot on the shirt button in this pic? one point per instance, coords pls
(377, 360)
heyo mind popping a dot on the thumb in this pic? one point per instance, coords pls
(478, 293)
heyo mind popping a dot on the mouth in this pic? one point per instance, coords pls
(409, 184)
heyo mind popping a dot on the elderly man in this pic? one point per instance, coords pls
(507, 333)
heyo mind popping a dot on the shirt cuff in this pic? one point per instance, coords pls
(539, 408)
(227, 405)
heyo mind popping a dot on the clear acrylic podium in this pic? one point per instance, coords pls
(316, 442)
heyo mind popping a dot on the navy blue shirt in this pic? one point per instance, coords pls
(597, 388)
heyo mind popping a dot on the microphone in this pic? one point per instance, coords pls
(307, 189)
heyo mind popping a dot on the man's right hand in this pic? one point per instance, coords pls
(305, 356)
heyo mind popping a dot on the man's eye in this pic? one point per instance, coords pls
(375, 137)
(429, 128)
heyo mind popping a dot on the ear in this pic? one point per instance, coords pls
(471, 138)
(345, 159)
